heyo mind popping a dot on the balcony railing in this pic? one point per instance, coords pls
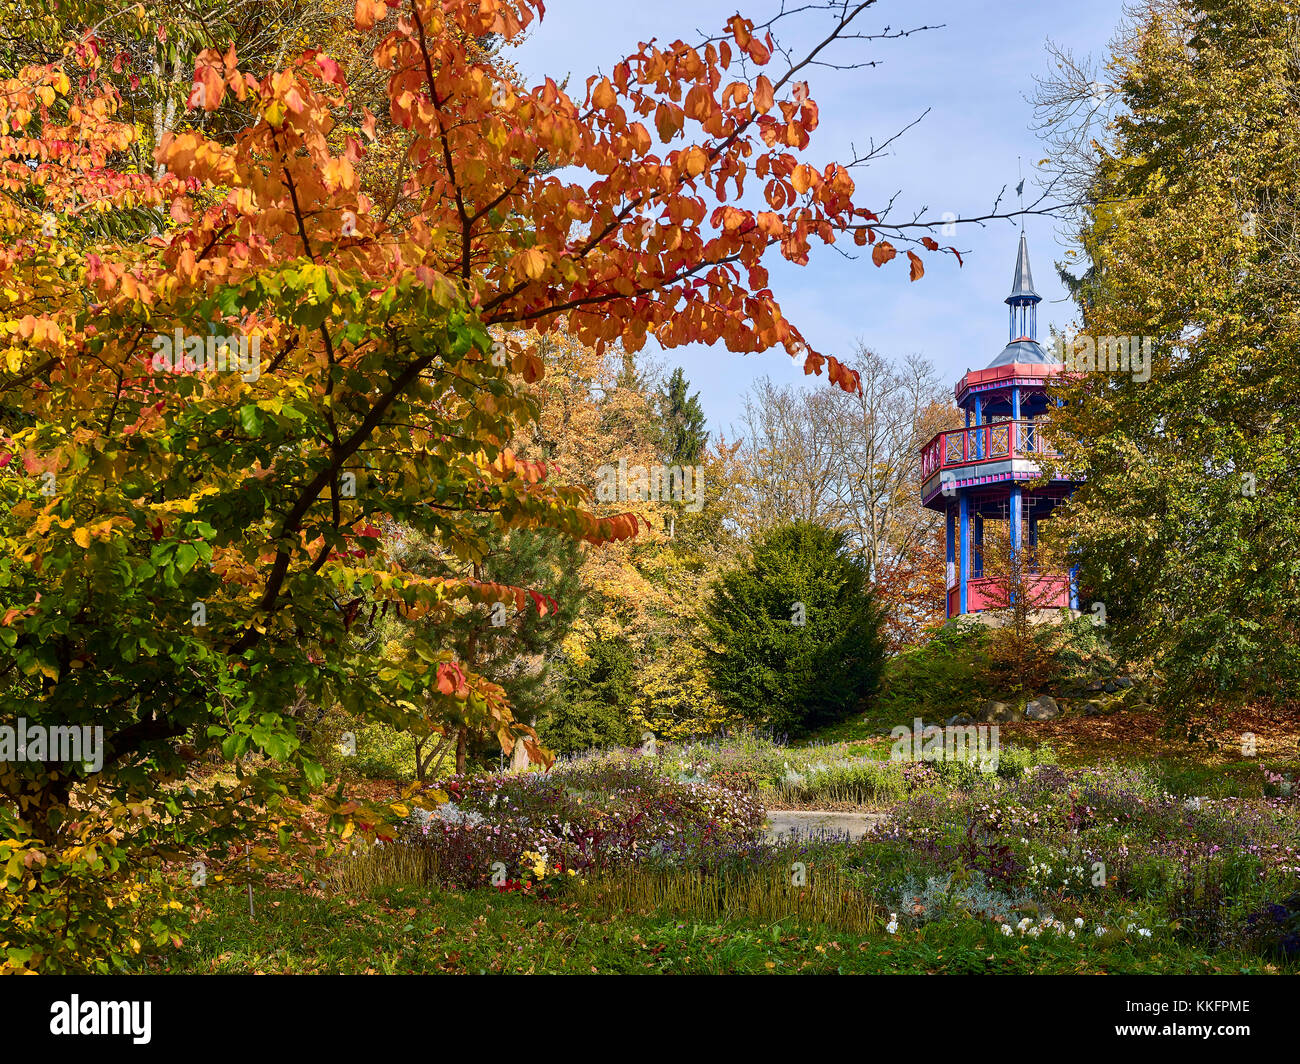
(1045, 592)
(993, 441)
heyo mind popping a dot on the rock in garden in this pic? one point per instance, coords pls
(960, 720)
(1043, 707)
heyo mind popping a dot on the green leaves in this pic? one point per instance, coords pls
(797, 631)
(185, 557)
(251, 418)
(1183, 525)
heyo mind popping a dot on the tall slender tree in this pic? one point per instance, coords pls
(682, 425)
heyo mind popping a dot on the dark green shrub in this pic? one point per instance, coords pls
(596, 701)
(796, 631)
(947, 675)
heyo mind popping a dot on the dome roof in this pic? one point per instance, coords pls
(1024, 350)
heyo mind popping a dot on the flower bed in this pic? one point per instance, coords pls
(517, 832)
(1107, 843)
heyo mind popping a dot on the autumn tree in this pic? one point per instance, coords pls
(1184, 520)
(1022, 593)
(147, 53)
(206, 411)
(633, 660)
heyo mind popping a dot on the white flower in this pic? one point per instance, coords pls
(1071, 934)
(1100, 931)
(1006, 929)
(1078, 921)
(1144, 932)
(892, 926)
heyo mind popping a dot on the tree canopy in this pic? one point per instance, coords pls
(221, 373)
(1184, 521)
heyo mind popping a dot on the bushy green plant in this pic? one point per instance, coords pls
(944, 676)
(1016, 760)
(796, 630)
(849, 781)
(961, 893)
(744, 751)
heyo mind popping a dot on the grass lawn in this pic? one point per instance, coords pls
(410, 930)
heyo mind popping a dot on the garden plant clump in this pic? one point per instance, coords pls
(1108, 846)
(520, 832)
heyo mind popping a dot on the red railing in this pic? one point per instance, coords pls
(990, 442)
(1045, 592)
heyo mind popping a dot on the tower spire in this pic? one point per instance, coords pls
(1023, 300)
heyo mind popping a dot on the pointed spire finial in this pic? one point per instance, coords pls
(1023, 300)
(1020, 191)
(1022, 285)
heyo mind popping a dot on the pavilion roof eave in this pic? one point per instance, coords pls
(1011, 372)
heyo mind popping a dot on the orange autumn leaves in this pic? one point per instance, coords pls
(635, 249)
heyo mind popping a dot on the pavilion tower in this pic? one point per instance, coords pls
(979, 474)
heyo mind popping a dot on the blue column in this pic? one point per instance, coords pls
(1014, 518)
(950, 554)
(978, 558)
(979, 420)
(1074, 587)
(1013, 430)
(963, 575)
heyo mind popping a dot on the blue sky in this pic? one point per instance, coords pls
(974, 73)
